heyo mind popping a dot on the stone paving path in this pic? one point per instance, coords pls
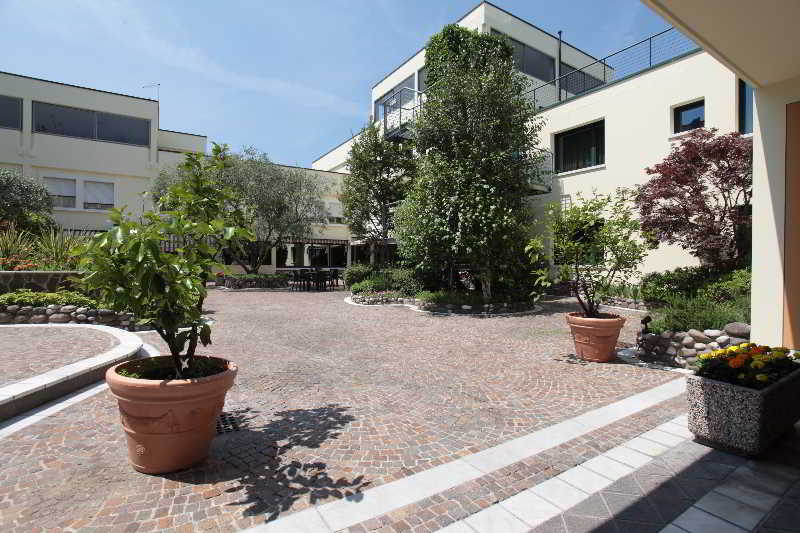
(27, 351)
(331, 399)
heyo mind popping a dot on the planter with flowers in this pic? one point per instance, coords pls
(597, 243)
(168, 404)
(743, 398)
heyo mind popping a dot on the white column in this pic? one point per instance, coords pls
(349, 258)
(306, 259)
(289, 255)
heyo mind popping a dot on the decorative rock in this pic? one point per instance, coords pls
(38, 319)
(68, 309)
(50, 311)
(91, 312)
(736, 340)
(651, 339)
(12, 309)
(59, 318)
(81, 310)
(21, 319)
(713, 345)
(466, 307)
(105, 312)
(666, 334)
(39, 310)
(688, 341)
(699, 346)
(679, 336)
(713, 333)
(687, 352)
(691, 360)
(6, 318)
(671, 351)
(723, 340)
(738, 329)
(52, 306)
(80, 317)
(699, 336)
(25, 310)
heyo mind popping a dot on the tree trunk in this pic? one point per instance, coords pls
(486, 284)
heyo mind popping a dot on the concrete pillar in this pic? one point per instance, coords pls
(349, 248)
(306, 259)
(372, 253)
(289, 255)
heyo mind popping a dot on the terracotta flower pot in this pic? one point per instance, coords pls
(169, 424)
(595, 338)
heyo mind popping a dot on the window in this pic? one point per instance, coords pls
(422, 80)
(98, 195)
(61, 190)
(580, 148)
(335, 215)
(530, 60)
(391, 99)
(745, 107)
(122, 129)
(10, 112)
(575, 81)
(690, 116)
(86, 124)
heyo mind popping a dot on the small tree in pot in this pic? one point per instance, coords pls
(168, 404)
(596, 241)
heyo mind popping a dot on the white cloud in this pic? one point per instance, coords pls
(123, 23)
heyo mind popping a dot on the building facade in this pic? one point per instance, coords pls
(605, 120)
(93, 150)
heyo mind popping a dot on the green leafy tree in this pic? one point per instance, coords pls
(24, 203)
(597, 242)
(381, 173)
(476, 134)
(277, 204)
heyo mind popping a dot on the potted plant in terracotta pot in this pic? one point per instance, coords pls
(744, 397)
(596, 242)
(168, 404)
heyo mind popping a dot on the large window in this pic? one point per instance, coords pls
(745, 107)
(86, 124)
(335, 214)
(580, 148)
(690, 116)
(10, 112)
(575, 81)
(530, 60)
(61, 191)
(404, 98)
(98, 195)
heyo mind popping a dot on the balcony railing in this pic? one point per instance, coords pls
(400, 110)
(646, 54)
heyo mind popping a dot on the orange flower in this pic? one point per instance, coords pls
(736, 362)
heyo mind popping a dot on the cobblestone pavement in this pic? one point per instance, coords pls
(331, 399)
(31, 350)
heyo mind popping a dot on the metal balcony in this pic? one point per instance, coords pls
(400, 110)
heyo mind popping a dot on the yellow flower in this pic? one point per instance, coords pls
(757, 364)
(762, 377)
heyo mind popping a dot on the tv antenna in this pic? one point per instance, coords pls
(157, 87)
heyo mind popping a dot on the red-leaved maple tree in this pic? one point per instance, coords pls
(699, 197)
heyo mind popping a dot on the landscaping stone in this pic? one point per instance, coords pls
(80, 317)
(12, 309)
(50, 310)
(39, 310)
(68, 308)
(688, 352)
(666, 334)
(723, 340)
(699, 336)
(82, 310)
(688, 341)
(21, 319)
(738, 329)
(713, 345)
(38, 319)
(59, 318)
(737, 340)
(713, 333)
(679, 336)
(6, 318)
(699, 346)
(25, 310)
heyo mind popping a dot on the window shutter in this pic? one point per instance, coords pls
(95, 192)
(60, 186)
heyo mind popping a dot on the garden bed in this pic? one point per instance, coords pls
(683, 347)
(254, 281)
(65, 314)
(393, 298)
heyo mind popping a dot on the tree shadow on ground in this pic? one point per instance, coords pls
(255, 459)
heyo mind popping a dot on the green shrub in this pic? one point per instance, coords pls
(456, 298)
(367, 285)
(729, 287)
(261, 281)
(43, 299)
(404, 280)
(685, 281)
(681, 313)
(356, 273)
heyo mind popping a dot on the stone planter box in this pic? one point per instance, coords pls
(739, 419)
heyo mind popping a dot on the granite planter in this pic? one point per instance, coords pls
(739, 419)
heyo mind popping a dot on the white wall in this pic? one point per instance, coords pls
(130, 168)
(769, 208)
(638, 130)
(336, 159)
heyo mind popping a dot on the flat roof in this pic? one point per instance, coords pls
(499, 9)
(77, 86)
(184, 133)
(312, 169)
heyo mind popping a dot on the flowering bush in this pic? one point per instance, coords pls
(748, 365)
(17, 263)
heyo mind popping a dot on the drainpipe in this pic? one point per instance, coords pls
(558, 67)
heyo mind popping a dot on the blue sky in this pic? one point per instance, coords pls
(291, 78)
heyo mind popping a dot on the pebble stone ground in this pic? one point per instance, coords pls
(28, 351)
(331, 399)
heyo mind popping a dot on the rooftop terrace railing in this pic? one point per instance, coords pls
(646, 54)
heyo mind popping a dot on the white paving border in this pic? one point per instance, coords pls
(371, 503)
(129, 344)
(20, 422)
(536, 309)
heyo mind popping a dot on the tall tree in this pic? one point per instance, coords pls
(277, 204)
(476, 134)
(699, 197)
(381, 172)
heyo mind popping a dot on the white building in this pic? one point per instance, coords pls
(92, 149)
(605, 119)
